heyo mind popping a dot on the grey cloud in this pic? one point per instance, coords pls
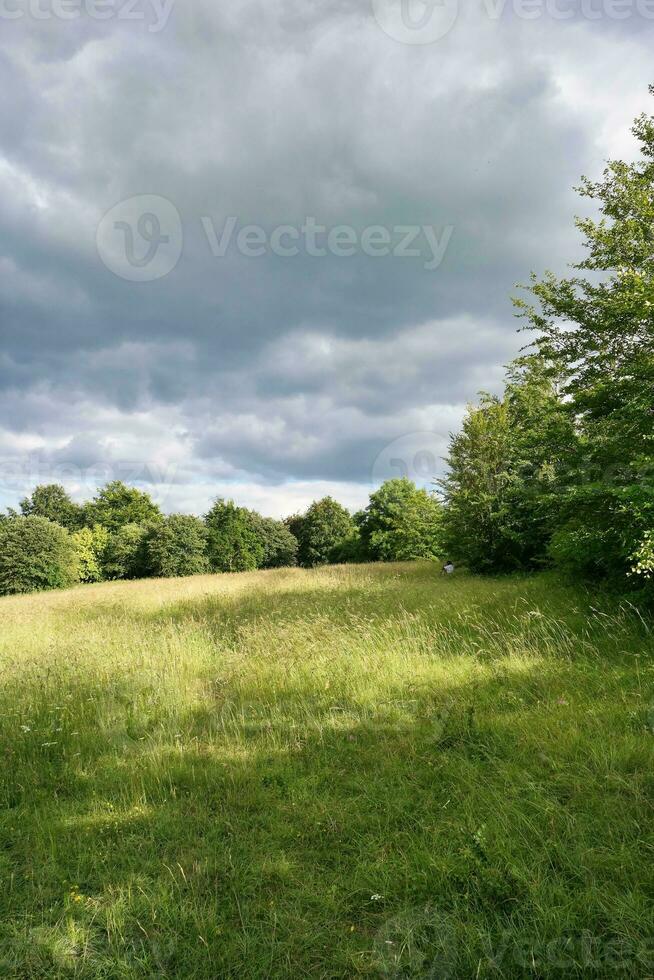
(263, 371)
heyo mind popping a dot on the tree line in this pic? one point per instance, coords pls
(53, 542)
(559, 470)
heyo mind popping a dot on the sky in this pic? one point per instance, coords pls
(266, 250)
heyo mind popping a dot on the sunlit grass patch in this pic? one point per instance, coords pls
(356, 771)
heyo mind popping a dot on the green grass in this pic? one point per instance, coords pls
(361, 771)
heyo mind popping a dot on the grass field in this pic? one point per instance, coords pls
(363, 771)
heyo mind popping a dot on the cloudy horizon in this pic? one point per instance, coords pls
(268, 252)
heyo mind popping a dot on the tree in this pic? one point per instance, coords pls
(599, 329)
(35, 554)
(51, 501)
(401, 522)
(177, 546)
(477, 524)
(544, 451)
(293, 524)
(90, 545)
(350, 550)
(233, 541)
(116, 505)
(279, 544)
(125, 555)
(324, 527)
(508, 468)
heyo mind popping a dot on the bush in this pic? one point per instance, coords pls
(279, 544)
(125, 553)
(35, 554)
(350, 550)
(233, 541)
(90, 544)
(324, 527)
(602, 531)
(177, 546)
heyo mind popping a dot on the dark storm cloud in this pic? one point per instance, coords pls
(274, 371)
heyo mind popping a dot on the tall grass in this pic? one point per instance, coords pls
(357, 771)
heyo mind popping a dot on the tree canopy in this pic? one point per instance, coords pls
(35, 553)
(401, 522)
(50, 500)
(233, 542)
(323, 528)
(117, 504)
(561, 467)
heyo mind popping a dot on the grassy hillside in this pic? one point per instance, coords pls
(353, 772)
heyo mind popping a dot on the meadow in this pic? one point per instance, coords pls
(354, 771)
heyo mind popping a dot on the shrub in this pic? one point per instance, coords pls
(603, 530)
(125, 553)
(90, 544)
(35, 554)
(350, 550)
(324, 527)
(177, 546)
(279, 544)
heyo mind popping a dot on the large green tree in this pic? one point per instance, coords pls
(475, 490)
(322, 531)
(177, 546)
(401, 522)
(598, 327)
(234, 543)
(50, 500)
(506, 470)
(280, 545)
(125, 555)
(116, 505)
(35, 553)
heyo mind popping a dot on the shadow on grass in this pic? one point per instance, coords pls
(490, 827)
(459, 834)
